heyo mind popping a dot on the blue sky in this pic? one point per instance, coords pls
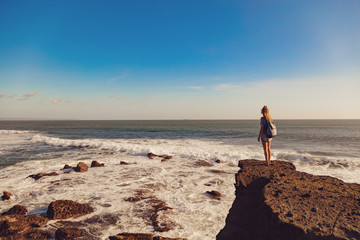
(179, 59)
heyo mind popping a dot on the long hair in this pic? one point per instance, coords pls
(265, 112)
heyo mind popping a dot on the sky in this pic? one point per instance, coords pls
(179, 59)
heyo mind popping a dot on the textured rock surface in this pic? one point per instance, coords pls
(63, 209)
(68, 233)
(17, 209)
(18, 225)
(141, 236)
(278, 202)
(81, 167)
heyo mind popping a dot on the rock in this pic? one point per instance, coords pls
(17, 209)
(63, 209)
(214, 194)
(278, 202)
(218, 161)
(20, 224)
(217, 171)
(141, 236)
(38, 235)
(67, 167)
(151, 155)
(97, 164)
(6, 196)
(68, 233)
(40, 175)
(165, 157)
(203, 163)
(124, 163)
(81, 167)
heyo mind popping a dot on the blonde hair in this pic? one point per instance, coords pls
(265, 112)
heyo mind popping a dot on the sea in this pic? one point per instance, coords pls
(205, 155)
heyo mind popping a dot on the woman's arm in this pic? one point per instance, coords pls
(261, 129)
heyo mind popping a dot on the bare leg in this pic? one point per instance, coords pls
(265, 150)
(268, 144)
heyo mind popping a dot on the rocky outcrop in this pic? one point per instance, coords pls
(81, 167)
(97, 164)
(6, 196)
(214, 194)
(68, 233)
(15, 226)
(40, 175)
(63, 209)
(163, 157)
(278, 202)
(141, 236)
(16, 210)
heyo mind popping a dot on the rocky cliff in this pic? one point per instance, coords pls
(278, 202)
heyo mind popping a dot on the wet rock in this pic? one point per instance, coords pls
(40, 175)
(124, 163)
(63, 209)
(217, 171)
(203, 163)
(141, 236)
(6, 196)
(67, 167)
(81, 167)
(20, 224)
(17, 209)
(166, 157)
(218, 161)
(38, 235)
(278, 202)
(97, 164)
(68, 233)
(151, 155)
(214, 194)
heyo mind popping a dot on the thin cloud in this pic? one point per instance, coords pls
(30, 94)
(195, 87)
(57, 100)
(3, 95)
(120, 97)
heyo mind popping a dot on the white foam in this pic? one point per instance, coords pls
(16, 131)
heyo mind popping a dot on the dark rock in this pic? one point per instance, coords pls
(81, 167)
(278, 202)
(141, 236)
(214, 194)
(151, 155)
(97, 164)
(38, 235)
(67, 167)
(40, 175)
(68, 233)
(124, 163)
(17, 209)
(217, 171)
(6, 196)
(63, 209)
(166, 157)
(218, 161)
(20, 224)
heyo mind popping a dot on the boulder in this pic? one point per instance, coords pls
(67, 167)
(6, 196)
(17, 209)
(63, 209)
(151, 155)
(214, 194)
(97, 164)
(124, 163)
(20, 224)
(278, 202)
(68, 233)
(81, 167)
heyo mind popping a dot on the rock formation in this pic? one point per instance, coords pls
(6, 196)
(141, 236)
(63, 209)
(81, 167)
(278, 202)
(68, 233)
(40, 175)
(97, 164)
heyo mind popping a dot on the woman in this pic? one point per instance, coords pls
(266, 142)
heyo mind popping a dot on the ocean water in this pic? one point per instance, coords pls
(322, 147)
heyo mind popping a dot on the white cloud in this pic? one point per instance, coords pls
(3, 95)
(57, 100)
(30, 94)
